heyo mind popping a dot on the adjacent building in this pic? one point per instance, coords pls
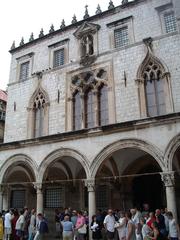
(93, 112)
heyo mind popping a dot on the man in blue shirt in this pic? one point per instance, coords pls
(67, 228)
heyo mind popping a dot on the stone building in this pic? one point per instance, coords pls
(93, 112)
(3, 101)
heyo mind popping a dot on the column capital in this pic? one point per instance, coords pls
(168, 179)
(90, 184)
(38, 186)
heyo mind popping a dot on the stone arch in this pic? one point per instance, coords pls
(126, 143)
(63, 152)
(38, 89)
(170, 151)
(14, 160)
(151, 58)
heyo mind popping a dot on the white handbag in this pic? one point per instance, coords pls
(83, 229)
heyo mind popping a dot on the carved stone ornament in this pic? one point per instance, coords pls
(111, 5)
(90, 184)
(168, 179)
(87, 60)
(93, 79)
(86, 28)
(38, 187)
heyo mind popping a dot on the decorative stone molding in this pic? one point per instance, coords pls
(90, 184)
(87, 36)
(168, 179)
(38, 187)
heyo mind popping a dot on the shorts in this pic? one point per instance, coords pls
(7, 231)
(110, 235)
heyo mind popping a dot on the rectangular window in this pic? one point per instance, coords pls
(24, 71)
(54, 198)
(18, 198)
(102, 197)
(170, 22)
(58, 58)
(121, 37)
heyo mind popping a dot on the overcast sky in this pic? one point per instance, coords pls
(21, 17)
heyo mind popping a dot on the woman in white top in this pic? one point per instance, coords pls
(121, 226)
(174, 233)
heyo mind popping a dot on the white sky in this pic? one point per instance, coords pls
(21, 17)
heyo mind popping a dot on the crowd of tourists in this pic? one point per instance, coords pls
(22, 225)
(76, 225)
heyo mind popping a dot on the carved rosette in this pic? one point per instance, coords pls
(90, 184)
(168, 179)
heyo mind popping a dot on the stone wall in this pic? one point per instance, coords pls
(146, 23)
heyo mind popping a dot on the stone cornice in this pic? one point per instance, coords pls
(77, 24)
(99, 131)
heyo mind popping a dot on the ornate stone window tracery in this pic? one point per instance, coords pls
(154, 89)
(90, 99)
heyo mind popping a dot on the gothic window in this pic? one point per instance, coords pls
(58, 58)
(121, 37)
(154, 89)
(18, 198)
(54, 198)
(103, 105)
(77, 111)
(89, 109)
(24, 71)
(39, 114)
(170, 22)
(90, 99)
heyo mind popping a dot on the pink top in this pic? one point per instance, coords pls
(80, 221)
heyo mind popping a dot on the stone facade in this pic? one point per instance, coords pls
(103, 152)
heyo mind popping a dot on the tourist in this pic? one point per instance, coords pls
(20, 225)
(57, 223)
(145, 212)
(146, 230)
(150, 220)
(67, 228)
(161, 222)
(121, 226)
(109, 224)
(15, 217)
(174, 232)
(7, 225)
(74, 218)
(96, 228)
(42, 227)
(32, 225)
(136, 215)
(80, 227)
(156, 234)
(1, 227)
(130, 227)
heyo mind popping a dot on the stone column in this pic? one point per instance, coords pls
(39, 204)
(1, 198)
(168, 180)
(90, 184)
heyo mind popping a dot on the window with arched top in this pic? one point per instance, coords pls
(39, 114)
(77, 111)
(89, 106)
(38, 117)
(103, 105)
(154, 90)
(154, 87)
